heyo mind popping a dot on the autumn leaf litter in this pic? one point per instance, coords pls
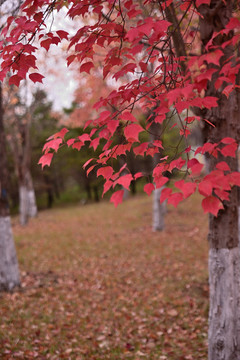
(98, 284)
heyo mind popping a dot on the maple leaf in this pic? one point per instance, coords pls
(117, 197)
(212, 205)
(174, 199)
(86, 67)
(112, 126)
(15, 80)
(84, 138)
(46, 43)
(124, 180)
(205, 187)
(228, 141)
(223, 166)
(126, 115)
(87, 163)
(165, 194)
(59, 134)
(160, 181)
(35, 77)
(234, 178)
(107, 185)
(187, 188)
(94, 143)
(138, 175)
(230, 150)
(62, 34)
(90, 169)
(105, 171)
(148, 188)
(141, 149)
(131, 132)
(77, 145)
(45, 159)
(53, 144)
(70, 142)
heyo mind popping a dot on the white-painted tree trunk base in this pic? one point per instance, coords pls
(224, 313)
(32, 210)
(9, 273)
(159, 211)
(28, 207)
(23, 204)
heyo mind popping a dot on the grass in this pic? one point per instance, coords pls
(97, 284)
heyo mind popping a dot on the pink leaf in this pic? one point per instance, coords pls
(59, 134)
(45, 159)
(234, 178)
(174, 199)
(165, 194)
(228, 140)
(112, 126)
(15, 80)
(95, 143)
(87, 163)
(62, 34)
(53, 144)
(223, 166)
(138, 175)
(205, 188)
(70, 142)
(86, 67)
(117, 197)
(124, 180)
(212, 205)
(128, 116)
(148, 188)
(201, 2)
(35, 77)
(105, 171)
(230, 150)
(160, 181)
(77, 145)
(131, 132)
(187, 188)
(108, 184)
(90, 169)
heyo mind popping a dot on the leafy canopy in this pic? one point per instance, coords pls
(152, 50)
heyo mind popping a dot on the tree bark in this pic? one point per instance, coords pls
(158, 209)
(224, 254)
(27, 199)
(9, 273)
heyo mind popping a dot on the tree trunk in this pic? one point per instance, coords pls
(224, 253)
(27, 199)
(158, 209)
(9, 274)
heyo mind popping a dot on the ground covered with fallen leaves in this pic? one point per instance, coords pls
(97, 284)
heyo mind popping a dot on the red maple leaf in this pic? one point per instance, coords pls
(212, 205)
(45, 160)
(117, 197)
(148, 188)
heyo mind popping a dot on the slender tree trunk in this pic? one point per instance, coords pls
(9, 273)
(158, 209)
